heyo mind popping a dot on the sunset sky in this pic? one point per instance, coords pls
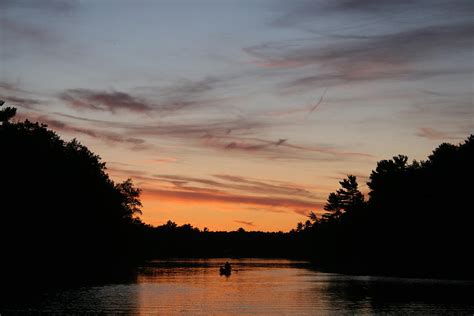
(233, 114)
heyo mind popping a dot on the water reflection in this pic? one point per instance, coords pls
(283, 286)
(261, 286)
(110, 299)
(388, 295)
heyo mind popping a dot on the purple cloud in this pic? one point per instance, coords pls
(110, 101)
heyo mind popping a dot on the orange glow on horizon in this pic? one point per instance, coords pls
(220, 214)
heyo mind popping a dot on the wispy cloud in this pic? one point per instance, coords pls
(240, 184)
(19, 101)
(197, 130)
(262, 195)
(14, 88)
(435, 134)
(61, 126)
(367, 41)
(183, 96)
(227, 136)
(163, 160)
(271, 204)
(388, 56)
(221, 134)
(272, 187)
(99, 100)
(280, 146)
(249, 224)
(364, 14)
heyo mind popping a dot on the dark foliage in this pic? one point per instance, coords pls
(61, 215)
(417, 222)
(171, 240)
(63, 218)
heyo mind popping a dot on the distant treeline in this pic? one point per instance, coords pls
(417, 221)
(171, 240)
(64, 219)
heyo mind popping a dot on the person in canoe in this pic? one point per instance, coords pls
(226, 269)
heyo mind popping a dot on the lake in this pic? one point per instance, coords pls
(256, 286)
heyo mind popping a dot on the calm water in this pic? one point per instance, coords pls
(257, 286)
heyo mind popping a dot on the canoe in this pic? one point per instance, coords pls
(224, 271)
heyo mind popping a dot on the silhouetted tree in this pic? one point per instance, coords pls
(60, 210)
(130, 196)
(313, 217)
(170, 225)
(350, 198)
(333, 206)
(299, 227)
(347, 199)
(6, 114)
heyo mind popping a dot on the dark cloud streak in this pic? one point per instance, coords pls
(178, 99)
(271, 203)
(368, 48)
(240, 184)
(111, 101)
(109, 137)
(249, 224)
(390, 49)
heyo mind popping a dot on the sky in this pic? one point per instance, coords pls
(233, 114)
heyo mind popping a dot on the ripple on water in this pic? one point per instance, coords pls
(257, 286)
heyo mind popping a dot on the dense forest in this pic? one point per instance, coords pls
(64, 219)
(417, 220)
(62, 216)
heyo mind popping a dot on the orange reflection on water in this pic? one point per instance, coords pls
(255, 286)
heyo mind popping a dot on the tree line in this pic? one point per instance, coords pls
(417, 220)
(63, 218)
